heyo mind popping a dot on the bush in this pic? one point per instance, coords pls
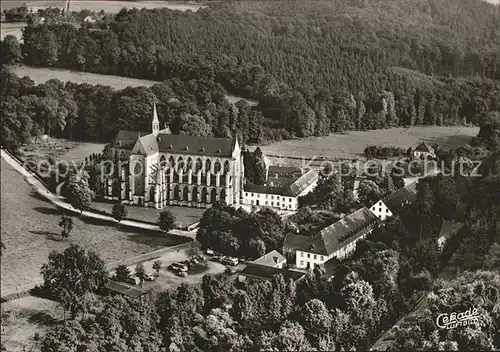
(383, 152)
(166, 220)
(119, 211)
(36, 337)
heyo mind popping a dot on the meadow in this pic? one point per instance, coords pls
(25, 317)
(30, 231)
(15, 29)
(98, 5)
(43, 74)
(353, 143)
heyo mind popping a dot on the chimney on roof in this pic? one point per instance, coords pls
(275, 259)
(187, 147)
(219, 151)
(170, 146)
(202, 149)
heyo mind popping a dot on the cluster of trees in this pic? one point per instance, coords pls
(255, 166)
(86, 112)
(380, 183)
(16, 14)
(72, 277)
(382, 152)
(415, 333)
(333, 192)
(239, 233)
(315, 68)
(309, 222)
(77, 192)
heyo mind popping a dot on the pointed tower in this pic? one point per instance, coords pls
(155, 125)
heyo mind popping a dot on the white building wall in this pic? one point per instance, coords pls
(270, 200)
(307, 260)
(381, 211)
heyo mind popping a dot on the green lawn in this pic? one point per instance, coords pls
(353, 143)
(184, 216)
(29, 230)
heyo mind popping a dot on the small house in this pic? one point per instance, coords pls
(395, 202)
(273, 259)
(423, 150)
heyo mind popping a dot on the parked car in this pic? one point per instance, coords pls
(200, 258)
(182, 273)
(179, 267)
(210, 252)
(229, 261)
(149, 277)
(133, 280)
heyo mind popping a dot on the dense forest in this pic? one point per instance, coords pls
(315, 67)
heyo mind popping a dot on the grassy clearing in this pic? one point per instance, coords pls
(352, 144)
(184, 216)
(24, 317)
(60, 149)
(98, 5)
(29, 231)
(43, 74)
(15, 29)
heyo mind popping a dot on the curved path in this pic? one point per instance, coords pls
(61, 203)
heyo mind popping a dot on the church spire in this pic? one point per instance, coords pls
(155, 125)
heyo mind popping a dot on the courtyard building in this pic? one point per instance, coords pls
(282, 189)
(335, 241)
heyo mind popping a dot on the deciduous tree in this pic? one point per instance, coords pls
(71, 274)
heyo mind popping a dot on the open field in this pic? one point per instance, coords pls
(81, 150)
(184, 216)
(29, 231)
(14, 29)
(353, 143)
(61, 149)
(98, 5)
(43, 74)
(25, 316)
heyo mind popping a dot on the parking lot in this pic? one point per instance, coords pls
(169, 279)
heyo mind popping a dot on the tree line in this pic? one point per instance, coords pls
(87, 112)
(310, 75)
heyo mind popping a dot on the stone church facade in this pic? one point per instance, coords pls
(161, 168)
